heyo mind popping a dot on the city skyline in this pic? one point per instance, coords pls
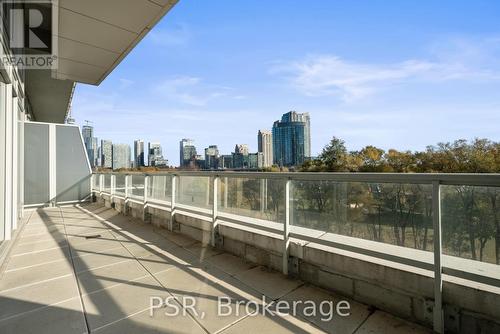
(190, 156)
(290, 138)
(397, 74)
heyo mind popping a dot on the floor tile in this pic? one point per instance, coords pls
(25, 299)
(115, 303)
(29, 259)
(94, 260)
(159, 323)
(38, 246)
(101, 278)
(272, 324)
(326, 316)
(381, 322)
(64, 318)
(16, 278)
(193, 286)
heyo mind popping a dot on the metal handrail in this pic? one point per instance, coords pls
(477, 179)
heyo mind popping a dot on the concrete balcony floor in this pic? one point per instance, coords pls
(89, 269)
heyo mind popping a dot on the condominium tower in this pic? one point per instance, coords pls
(292, 139)
(187, 152)
(139, 153)
(265, 146)
(106, 154)
(121, 156)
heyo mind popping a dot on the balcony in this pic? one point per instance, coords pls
(368, 239)
(89, 269)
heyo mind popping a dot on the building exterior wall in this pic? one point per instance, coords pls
(265, 146)
(212, 157)
(90, 143)
(187, 152)
(292, 139)
(121, 156)
(155, 155)
(106, 154)
(139, 153)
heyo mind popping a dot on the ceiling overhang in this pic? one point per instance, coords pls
(94, 36)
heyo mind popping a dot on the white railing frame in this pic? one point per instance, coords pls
(435, 180)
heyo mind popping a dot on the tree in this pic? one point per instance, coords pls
(334, 155)
(400, 162)
(372, 158)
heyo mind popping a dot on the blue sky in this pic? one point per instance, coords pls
(395, 74)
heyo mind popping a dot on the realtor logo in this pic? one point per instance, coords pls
(31, 28)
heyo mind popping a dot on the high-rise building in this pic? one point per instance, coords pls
(138, 153)
(99, 157)
(155, 155)
(187, 152)
(255, 160)
(211, 157)
(121, 156)
(292, 139)
(87, 133)
(90, 143)
(240, 156)
(225, 161)
(106, 154)
(241, 149)
(265, 146)
(95, 153)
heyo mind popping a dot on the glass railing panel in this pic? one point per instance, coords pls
(160, 187)
(120, 184)
(256, 198)
(137, 185)
(96, 181)
(470, 222)
(195, 191)
(107, 183)
(393, 213)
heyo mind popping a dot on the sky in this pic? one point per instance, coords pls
(390, 73)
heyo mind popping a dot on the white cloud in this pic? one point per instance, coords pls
(330, 75)
(191, 91)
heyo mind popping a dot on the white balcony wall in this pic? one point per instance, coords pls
(11, 159)
(57, 170)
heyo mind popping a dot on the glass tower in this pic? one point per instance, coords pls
(292, 139)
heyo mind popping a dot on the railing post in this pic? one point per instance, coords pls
(226, 185)
(286, 227)
(127, 187)
(145, 197)
(262, 195)
(101, 181)
(172, 203)
(146, 188)
(112, 186)
(214, 209)
(438, 281)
